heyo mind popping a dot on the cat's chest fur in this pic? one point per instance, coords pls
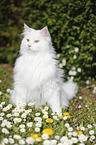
(33, 71)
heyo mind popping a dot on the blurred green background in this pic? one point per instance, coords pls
(71, 23)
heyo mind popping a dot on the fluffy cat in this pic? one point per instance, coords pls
(36, 76)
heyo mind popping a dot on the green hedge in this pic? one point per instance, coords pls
(72, 24)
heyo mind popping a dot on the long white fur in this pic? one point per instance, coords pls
(36, 76)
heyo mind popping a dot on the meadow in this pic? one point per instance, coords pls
(43, 127)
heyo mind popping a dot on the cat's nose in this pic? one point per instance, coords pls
(29, 45)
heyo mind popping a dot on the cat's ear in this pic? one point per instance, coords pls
(26, 28)
(45, 32)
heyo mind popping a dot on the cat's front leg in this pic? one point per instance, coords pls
(18, 96)
(52, 97)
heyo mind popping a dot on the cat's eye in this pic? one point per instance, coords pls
(36, 41)
(27, 40)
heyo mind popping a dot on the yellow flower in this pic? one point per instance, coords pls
(35, 136)
(61, 117)
(69, 116)
(79, 132)
(49, 120)
(48, 131)
(66, 114)
(61, 108)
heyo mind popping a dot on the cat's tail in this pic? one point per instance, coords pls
(70, 88)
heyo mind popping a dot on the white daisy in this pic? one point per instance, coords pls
(54, 142)
(89, 126)
(70, 129)
(37, 129)
(65, 117)
(38, 124)
(67, 125)
(46, 108)
(17, 136)
(30, 104)
(9, 115)
(4, 130)
(23, 115)
(37, 114)
(63, 139)
(69, 133)
(22, 126)
(29, 124)
(57, 137)
(74, 133)
(21, 141)
(11, 140)
(92, 137)
(2, 114)
(75, 140)
(22, 130)
(91, 132)
(46, 142)
(1, 118)
(45, 116)
(5, 140)
(30, 140)
(16, 114)
(45, 136)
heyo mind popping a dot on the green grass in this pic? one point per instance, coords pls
(82, 112)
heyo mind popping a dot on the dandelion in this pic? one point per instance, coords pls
(21, 141)
(37, 114)
(37, 129)
(5, 140)
(66, 114)
(48, 131)
(49, 120)
(30, 140)
(91, 132)
(46, 142)
(45, 136)
(29, 124)
(79, 132)
(63, 139)
(11, 140)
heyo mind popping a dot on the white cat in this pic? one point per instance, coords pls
(36, 76)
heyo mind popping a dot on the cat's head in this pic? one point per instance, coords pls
(35, 41)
